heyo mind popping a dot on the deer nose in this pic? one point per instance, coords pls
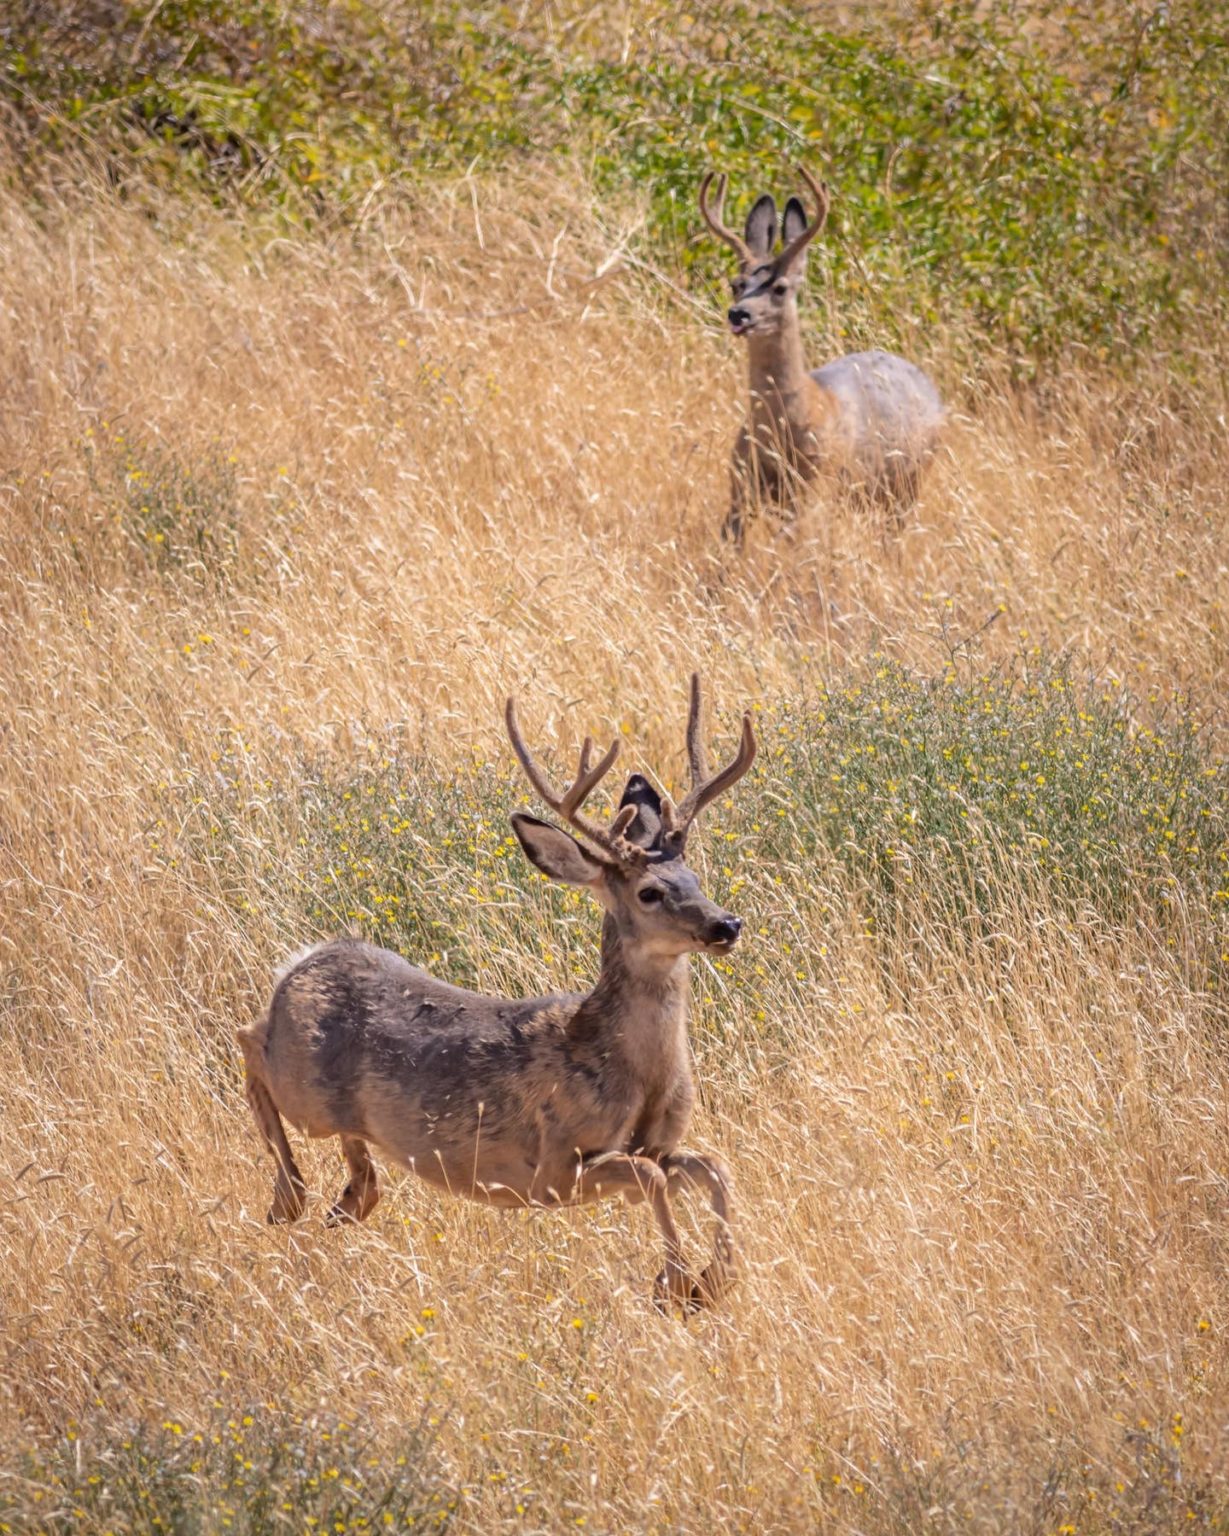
(725, 930)
(738, 317)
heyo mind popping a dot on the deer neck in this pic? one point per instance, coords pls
(782, 391)
(639, 1007)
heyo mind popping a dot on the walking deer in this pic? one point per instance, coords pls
(546, 1101)
(869, 420)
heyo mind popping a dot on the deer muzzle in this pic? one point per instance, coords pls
(722, 935)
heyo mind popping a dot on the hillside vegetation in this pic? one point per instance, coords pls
(361, 365)
(1053, 176)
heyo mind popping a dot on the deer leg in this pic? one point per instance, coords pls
(711, 1177)
(289, 1190)
(357, 1201)
(892, 493)
(732, 528)
(637, 1179)
(907, 484)
(741, 473)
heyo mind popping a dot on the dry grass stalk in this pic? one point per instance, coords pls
(987, 1287)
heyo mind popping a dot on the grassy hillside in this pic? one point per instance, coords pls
(1050, 176)
(361, 366)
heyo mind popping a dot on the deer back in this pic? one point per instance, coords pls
(358, 1042)
(885, 407)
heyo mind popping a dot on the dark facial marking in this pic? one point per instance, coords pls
(756, 281)
(645, 830)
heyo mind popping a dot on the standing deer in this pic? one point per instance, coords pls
(870, 420)
(545, 1101)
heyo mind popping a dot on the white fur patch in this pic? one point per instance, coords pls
(292, 962)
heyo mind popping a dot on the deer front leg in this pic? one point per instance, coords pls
(711, 1177)
(357, 1201)
(742, 477)
(636, 1179)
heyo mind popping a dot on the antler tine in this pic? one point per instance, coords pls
(823, 201)
(622, 821)
(587, 778)
(696, 755)
(533, 773)
(569, 803)
(714, 217)
(704, 791)
(572, 800)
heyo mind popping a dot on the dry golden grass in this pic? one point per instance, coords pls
(984, 1192)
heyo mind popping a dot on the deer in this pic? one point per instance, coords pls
(549, 1101)
(869, 420)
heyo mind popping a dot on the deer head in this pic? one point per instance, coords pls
(765, 288)
(635, 866)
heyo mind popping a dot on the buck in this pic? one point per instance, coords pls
(546, 1101)
(869, 421)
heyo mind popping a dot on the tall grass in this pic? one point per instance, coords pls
(1045, 175)
(968, 1064)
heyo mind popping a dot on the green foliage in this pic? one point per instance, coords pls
(966, 802)
(277, 101)
(168, 515)
(976, 180)
(1047, 178)
(242, 1470)
(966, 797)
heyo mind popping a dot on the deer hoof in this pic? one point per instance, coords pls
(353, 1206)
(676, 1288)
(714, 1283)
(285, 1210)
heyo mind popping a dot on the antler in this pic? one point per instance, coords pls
(713, 217)
(823, 199)
(705, 788)
(568, 804)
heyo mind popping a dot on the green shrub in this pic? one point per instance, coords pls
(168, 514)
(965, 796)
(249, 1469)
(940, 807)
(1047, 180)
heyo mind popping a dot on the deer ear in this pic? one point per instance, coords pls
(556, 853)
(794, 223)
(761, 230)
(645, 830)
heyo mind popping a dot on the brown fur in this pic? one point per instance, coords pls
(867, 422)
(539, 1102)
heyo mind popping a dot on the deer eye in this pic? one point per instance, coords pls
(651, 896)
(736, 286)
(780, 289)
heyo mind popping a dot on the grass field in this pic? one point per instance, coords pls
(289, 507)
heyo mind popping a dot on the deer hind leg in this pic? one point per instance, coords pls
(289, 1190)
(637, 1179)
(711, 1177)
(733, 529)
(894, 491)
(357, 1201)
